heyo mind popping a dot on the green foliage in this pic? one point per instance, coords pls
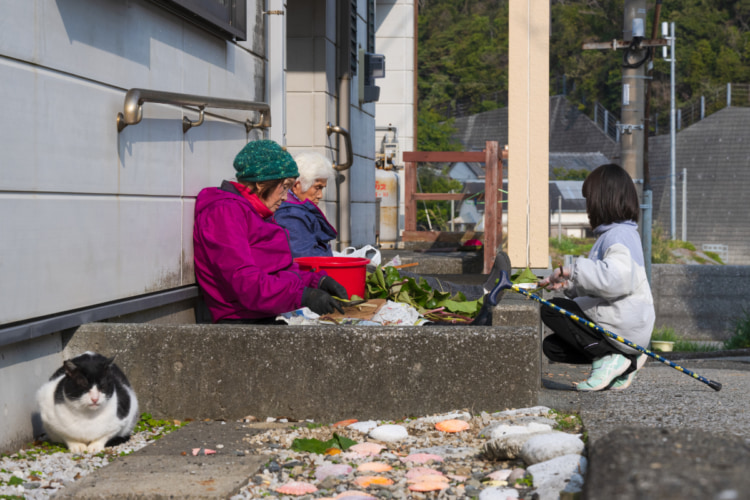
(566, 422)
(664, 333)
(715, 257)
(317, 446)
(661, 251)
(463, 52)
(526, 481)
(568, 246)
(525, 276)
(740, 339)
(387, 283)
(159, 427)
(573, 174)
(668, 334)
(435, 132)
(432, 180)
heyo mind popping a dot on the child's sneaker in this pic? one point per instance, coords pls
(623, 382)
(610, 367)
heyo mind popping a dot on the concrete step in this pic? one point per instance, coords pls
(325, 372)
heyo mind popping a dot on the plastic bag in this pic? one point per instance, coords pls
(367, 251)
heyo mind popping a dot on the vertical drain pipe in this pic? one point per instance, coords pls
(343, 185)
(343, 179)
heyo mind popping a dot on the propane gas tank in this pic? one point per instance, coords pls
(386, 188)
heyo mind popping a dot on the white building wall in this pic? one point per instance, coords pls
(312, 103)
(89, 215)
(84, 209)
(396, 107)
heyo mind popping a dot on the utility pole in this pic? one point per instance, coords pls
(634, 122)
(633, 85)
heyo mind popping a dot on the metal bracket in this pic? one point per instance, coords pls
(628, 129)
(259, 124)
(187, 123)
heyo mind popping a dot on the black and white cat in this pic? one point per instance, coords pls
(88, 403)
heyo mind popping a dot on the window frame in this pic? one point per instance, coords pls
(226, 21)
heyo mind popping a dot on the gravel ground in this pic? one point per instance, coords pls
(457, 456)
(40, 471)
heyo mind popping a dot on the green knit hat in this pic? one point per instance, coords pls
(264, 161)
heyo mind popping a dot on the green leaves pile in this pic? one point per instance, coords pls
(317, 446)
(387, 283)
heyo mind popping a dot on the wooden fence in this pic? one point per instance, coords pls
(493, 181)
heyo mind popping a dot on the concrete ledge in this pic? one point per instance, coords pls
(700, 302)
(323, 373)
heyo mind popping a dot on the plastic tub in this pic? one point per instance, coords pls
(350, 272)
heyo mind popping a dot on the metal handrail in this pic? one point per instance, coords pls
(335, 129)
(135, 98)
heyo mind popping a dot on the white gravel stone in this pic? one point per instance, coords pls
(534, 411)
(363, 427)
(543, 447)
(498, 493)
(553, 476)
(389, 433)
(502, 430)
(434, 419)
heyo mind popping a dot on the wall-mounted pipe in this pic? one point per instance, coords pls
(135, 98)
(335, 129)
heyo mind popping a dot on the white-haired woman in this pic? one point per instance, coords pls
(309, 230)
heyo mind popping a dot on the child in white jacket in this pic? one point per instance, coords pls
(609, 288)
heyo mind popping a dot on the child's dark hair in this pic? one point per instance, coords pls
(610, 196)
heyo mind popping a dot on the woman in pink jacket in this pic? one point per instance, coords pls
(243, 262)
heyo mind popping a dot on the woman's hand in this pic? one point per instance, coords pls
(333, 287)
(556, 280)
(320, 302)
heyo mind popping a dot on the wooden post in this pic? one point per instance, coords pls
(491, 181)
(410, 203)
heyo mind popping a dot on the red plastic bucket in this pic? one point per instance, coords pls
(350, 272)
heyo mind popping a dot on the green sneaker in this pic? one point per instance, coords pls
(623, 382)
(609, 368)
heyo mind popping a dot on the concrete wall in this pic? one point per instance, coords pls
(700, 302)
(24, 367)
(324, 373)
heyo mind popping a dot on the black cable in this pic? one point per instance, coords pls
(631, 49)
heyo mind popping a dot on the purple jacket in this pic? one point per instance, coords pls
(242, 262)
(309, 230)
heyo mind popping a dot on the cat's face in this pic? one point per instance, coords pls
(88, 384)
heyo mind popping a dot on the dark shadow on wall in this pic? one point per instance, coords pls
(129, 29)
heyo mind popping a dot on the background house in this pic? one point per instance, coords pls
(575, 143)
(715, 154)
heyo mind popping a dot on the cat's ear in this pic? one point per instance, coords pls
(70, 367)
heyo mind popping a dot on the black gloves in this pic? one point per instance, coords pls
(320, 302)
(331, 286)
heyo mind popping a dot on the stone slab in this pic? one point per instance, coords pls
(166, 469)
(649, 463)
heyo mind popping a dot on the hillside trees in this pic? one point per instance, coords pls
(463, 52)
